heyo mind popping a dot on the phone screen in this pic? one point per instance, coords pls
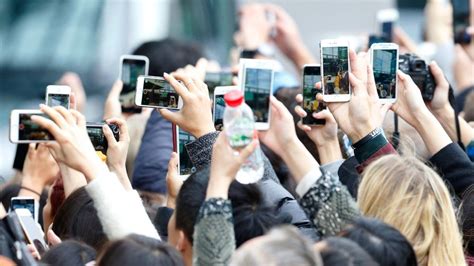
(214, 79)
(461, 21)
(97, 137)
(384, 65)
(131, 69)
(335, 70)
(219, 106)
(27, 130)
(28, 204)
(158, 92)
(55, 99)
(312, 75)
(186, 167)
(257, 89)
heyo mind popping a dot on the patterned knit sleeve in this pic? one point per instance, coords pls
(214, 239)
(329, 205)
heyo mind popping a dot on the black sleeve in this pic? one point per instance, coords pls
(349, 176)
(161, 220)
(454, 166)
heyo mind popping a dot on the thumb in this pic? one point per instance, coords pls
(108, 134)
(53, 239)
(248, 150)
(170, 116)
(172, 164)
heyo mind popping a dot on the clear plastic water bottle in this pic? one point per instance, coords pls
(240, 129)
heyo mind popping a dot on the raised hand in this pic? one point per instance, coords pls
(195, 116)
(173, 182)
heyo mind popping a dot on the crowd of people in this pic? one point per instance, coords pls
(357, 190)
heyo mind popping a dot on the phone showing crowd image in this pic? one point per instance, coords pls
(97, 137)
(28, 203)
(256, 81)
(23, 130)
(219, 105)
(156, 92)
(312, 75)
(180, 139)
(384, 61)
(335, 70)
(58, 95)
(131, 66)
(217, 79)
(461, 9)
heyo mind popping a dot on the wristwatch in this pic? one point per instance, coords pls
(373, 134)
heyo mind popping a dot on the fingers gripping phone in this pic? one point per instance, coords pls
(256, 81)
(180, 139)
(28, 203)
(131, 66)
(97, 137)
(335, 68)
(23, 130)
(219, 105)
(157, 92)
(312, 75)
(384, 61)
(58, 96)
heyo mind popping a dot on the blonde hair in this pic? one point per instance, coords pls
(407, 194)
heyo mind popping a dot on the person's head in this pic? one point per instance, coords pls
(69, 252)
(338, 251)
(466, 219)
(168, 55)
(410, 196)
(385, 244)
(77, 219)
(139, 250)
(281, 246)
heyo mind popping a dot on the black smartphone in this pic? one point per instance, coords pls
(97, 137)
(311, 75)
(461, 21)
(131, 66)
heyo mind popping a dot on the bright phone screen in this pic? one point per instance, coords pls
(335, 70)
(58, 100)
(158, 92)
(27, 130)
(186, 167)
(257, 92)
(131, 69)
(219, 107)
(28, 204)
(385, 72)
(311, 75)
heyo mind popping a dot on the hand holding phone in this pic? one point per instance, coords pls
(97, 137)
(311, 76)
(185, 165)
(335, 70)
(32, 230)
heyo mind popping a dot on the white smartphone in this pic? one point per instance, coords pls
(185, 165)
(156, 92)
(131, 66)
(28, 203)
(23, 130)
(335, 69)
(386, 19)
(256, 82)
(219, 105)
(32, 230)
(58, 95)
(384, 61)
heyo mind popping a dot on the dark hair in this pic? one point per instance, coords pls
(251, 217)
(77, 219)
(340, 251)
(384, 243)
(167, 55)
(139, 250)
(69, 252)
(466, 214)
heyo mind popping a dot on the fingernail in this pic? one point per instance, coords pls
(165, 74)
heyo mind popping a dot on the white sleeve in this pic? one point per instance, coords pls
(307, 181)
(120, 212)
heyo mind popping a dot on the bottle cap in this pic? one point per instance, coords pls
(234, 98)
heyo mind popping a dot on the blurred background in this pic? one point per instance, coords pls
(42, 39)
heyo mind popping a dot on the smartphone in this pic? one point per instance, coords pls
(215, 79)
(312, 75)
(58, 95)
(376, 39)
(256, 81)
(131, 66)
(32, 230)
(335, 70)
(386, 19)
(28, 203)
(97, 137)
(23, 130)
(157, 92)
(180, 139)
(219, 105)
(461, 21)
(384, 61)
